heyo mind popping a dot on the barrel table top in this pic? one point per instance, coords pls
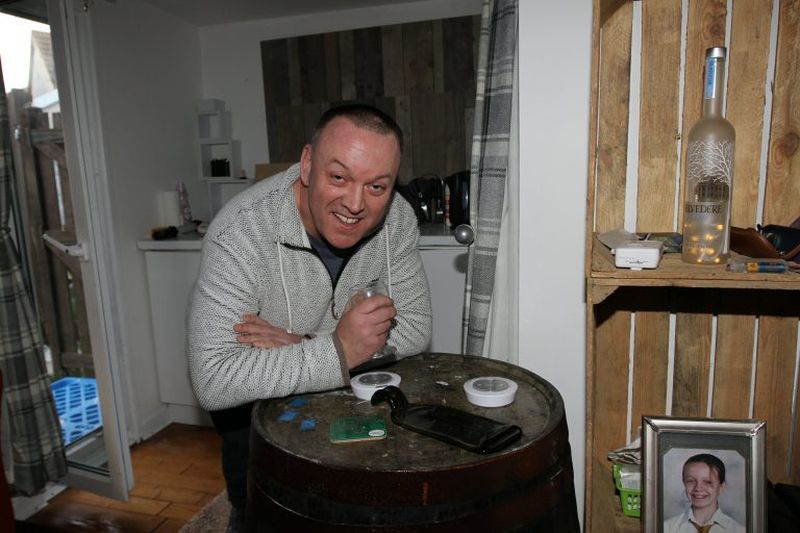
(299, 425)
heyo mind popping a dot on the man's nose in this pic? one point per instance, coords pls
(354, 199)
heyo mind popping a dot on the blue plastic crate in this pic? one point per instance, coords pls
(77, 406)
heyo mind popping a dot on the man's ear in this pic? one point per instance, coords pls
(305, 164)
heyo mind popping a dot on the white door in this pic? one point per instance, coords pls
(103, 464)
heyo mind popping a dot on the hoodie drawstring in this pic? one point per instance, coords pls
(285, 289)
(388, 263)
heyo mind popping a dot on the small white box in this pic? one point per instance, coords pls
(637, 255)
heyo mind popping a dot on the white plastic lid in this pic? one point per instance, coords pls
(364, 385)
(490, 391)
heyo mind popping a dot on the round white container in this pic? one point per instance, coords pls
(490, 391)
(364, 385)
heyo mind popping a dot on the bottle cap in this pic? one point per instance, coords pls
(717, 51)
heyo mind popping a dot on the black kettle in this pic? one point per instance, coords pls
(458, 184)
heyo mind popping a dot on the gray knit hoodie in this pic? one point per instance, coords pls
(257, 259)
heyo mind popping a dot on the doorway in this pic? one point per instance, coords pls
(50, 223)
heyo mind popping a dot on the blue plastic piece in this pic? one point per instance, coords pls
(77, 406)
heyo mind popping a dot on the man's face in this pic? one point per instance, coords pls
(346, 181)
(702, 485)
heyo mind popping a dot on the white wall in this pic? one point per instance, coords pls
(554, 74)
(148, 81)
(231, 58)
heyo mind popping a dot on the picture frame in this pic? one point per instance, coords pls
(679, 476)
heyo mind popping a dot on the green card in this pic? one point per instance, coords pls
(357, 429)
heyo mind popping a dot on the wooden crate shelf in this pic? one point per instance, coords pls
(688, 340)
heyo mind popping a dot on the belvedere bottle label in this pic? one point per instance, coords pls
(708, 179)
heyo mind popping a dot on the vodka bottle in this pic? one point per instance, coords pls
(709, 172)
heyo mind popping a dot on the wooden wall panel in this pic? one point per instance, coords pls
(347, 64)
(777, 352)
(311, 64)
(612, 336)
(778, 335)
(658, 115)
(612, 149)
(418, 57)
(651, 356)
(692, 351)
(747, 76)
(392, 46)
(658, 160)
(368, 63)
(782, 202)
(423, 74)
(333, 74)
(733, 361)
(458, 43)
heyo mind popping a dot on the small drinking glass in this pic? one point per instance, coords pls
(358, 294)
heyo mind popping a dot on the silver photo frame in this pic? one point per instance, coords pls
(668, 443)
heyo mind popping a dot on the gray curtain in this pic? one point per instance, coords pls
(35, 436)
(490, 151)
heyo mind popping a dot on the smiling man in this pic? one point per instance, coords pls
(704, 482)
(268, 314)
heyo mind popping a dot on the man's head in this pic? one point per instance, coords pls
(704, 480)
(347, 174)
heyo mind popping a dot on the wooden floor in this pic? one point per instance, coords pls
(176, 473)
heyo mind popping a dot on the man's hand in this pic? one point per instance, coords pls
(364, 328)
(257, 332)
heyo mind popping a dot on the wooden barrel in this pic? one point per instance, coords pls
(299, 481)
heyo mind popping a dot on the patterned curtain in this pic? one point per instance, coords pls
(490, 153)
(34, 435)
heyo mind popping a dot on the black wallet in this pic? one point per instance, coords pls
(472, 432)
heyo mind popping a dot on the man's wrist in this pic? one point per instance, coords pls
(337, 343)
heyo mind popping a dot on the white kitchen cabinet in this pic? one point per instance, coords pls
(172, 267)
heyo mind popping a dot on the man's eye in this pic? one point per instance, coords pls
(337, 177)
(377, 188)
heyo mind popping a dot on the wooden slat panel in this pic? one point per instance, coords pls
(775, 378)
(347, 65)
(609, 400)
(781, 205)
(459, 74)
(368, 63)
(733, 361)
(658, 122)
(651, 356)
(311, 63)
(392, 45)
(438, 125)
(418, 57)
(747, 71)
(291, 125)
(438, 56)
(778, 336)
(612, 149)
(275, 72)
(333, 85)
(295, 76)
(692, 351)
(402, 115)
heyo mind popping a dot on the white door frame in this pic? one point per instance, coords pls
(72, 37)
